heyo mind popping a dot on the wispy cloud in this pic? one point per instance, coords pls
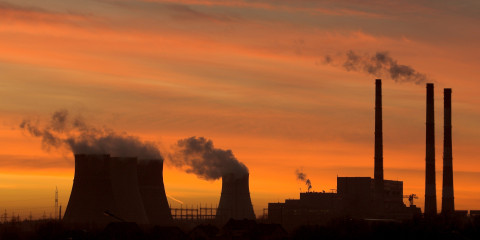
(13, 12)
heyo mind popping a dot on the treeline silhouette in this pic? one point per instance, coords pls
(435, 228)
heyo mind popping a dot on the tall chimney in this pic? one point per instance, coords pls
(448, 205)
(430, 191)
(378, 174)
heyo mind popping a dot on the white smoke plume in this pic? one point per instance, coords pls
(73, 133)
(303, 177)
(381, 64)
(200, 157)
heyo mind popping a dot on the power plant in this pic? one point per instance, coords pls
(125, 189)
(448, 204)
(152, 190)
(107, 189)
(235, 199)
(92, 191)
(128, 201)
(430, 187)
(364, 197)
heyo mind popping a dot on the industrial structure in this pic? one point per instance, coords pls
(235, 199)
(108, 189)
(152, 190)
(430, 209)
(92, 191)
(359, 197)
(448, 204)
(128, 201)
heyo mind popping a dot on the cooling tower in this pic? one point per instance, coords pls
(430, 191)
(104, 184)
(235, 200)
(152, 190)
(92, 192)
(378, 171)
(448, 204)
(128, 202)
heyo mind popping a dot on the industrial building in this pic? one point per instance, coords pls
(235, 202)
(111, 189)
(377, 198)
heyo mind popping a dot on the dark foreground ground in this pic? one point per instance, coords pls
(465, 228)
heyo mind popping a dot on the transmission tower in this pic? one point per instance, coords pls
(56, 202)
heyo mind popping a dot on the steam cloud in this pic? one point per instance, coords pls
(74, 134)
(379, 65)
(303, 177)
(199, 156)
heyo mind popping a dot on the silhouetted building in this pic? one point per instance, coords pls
(448, 204)
(92, 191)
(430, 187)
(152, 190)
(104, 190)
(356, 197)
(235, 199)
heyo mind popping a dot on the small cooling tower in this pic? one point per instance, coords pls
(92, 192)
(235, 200)
(152, 190)
(128, 201)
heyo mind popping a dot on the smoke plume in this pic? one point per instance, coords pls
(199, 156)
(303, 177)
(64, 131)
(381, 64)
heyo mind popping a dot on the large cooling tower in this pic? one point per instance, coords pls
(152, 189)
(92, 192)
(235, 200)
(104, 184)
(129, 204)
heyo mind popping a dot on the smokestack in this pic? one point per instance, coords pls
(101, 184)
(378, 174)
(235, 199)
(152, 189)
(430, 191)
(448, 204)
(92, 192)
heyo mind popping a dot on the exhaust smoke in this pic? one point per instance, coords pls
(199, 156)
(380, 64)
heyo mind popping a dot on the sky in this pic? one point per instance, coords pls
(266, 79)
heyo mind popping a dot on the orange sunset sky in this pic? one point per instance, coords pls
(249, 75)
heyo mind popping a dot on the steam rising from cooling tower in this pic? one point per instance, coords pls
(103, 183)
(75, 134)
(303, 177)
(380, 64)
(200, 157)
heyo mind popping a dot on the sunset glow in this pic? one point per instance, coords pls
(252, 76)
